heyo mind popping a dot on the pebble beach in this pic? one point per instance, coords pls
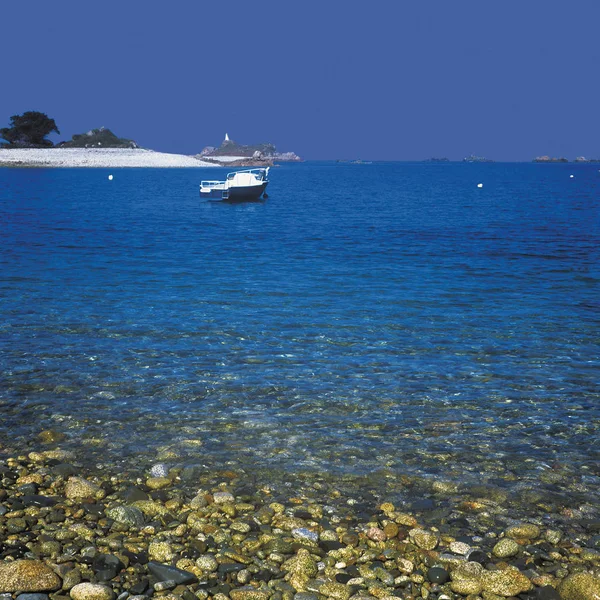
(95, 157)
(184, 533)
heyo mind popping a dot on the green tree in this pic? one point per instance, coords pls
(29, 129)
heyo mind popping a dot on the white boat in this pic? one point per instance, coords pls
(238, 187)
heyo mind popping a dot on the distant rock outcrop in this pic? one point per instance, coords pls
(549, 159)
(97, 138)
(477, 159)
(264, 154)
(583, 159)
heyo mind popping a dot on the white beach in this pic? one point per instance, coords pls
(95, 157)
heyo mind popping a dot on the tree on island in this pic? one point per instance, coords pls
(29, 130)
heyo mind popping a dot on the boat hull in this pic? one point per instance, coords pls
(236, 194)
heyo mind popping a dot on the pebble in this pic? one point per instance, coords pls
(223, 497)
(130, 515)
(161, 551)
(424, 539)
(524, 530)
(301, 533)
(78, 488)
(505, 548)
(506, 582)
(438, 575)
(158, 483)
(170, 573)
(248, 593)
(376, 534)
(460, 548)
(207, 563)
(159, 470)
(91, 591)
(27, 576)
(580, 586)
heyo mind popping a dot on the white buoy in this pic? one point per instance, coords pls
(110, 177)
(571, 176)
(480, 185)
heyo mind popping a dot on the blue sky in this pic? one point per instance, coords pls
(328, 79)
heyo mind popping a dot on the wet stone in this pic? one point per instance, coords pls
(169, 584)
(306, 596)
(505, 548)
(133, 494)
(248, 593)
(77, 488)
(547, 592)
(524, 530)
(438, 575)
(130, 515)
(478, 556)
(159, 470)
(424, 539)
(32, 597)
(207, 563)
(37, 500)
(580, 586)
(460, 548)
(106, 566)
(140, 587)
(167, 572)
(91, 591)
(301, 533)
(27, 576)
(328, 545)
(223, 497)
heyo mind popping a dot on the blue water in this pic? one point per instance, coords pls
(389, 317)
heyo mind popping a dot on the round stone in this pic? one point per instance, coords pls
(506, 547)
(523, 530)
(78, 488)
(91, 591)
(130, 515)
(460, 548)
(223, 497)
(158, 483)
(438, 575)
(207, 563)
(27, 576)
(581, 586)
(507, 582)
(161, 552)
(159, 470)
(376, 534)
(424, 539)
(301, 533)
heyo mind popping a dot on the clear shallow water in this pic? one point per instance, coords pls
(385, 317)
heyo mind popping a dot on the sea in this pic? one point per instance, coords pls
(388, 321)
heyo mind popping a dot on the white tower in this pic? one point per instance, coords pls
(226, 138)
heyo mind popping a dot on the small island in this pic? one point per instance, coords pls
(233, 154)
(477, 159)
(549, 159)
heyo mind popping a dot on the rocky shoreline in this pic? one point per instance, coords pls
(95, 158)
(189, 533)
